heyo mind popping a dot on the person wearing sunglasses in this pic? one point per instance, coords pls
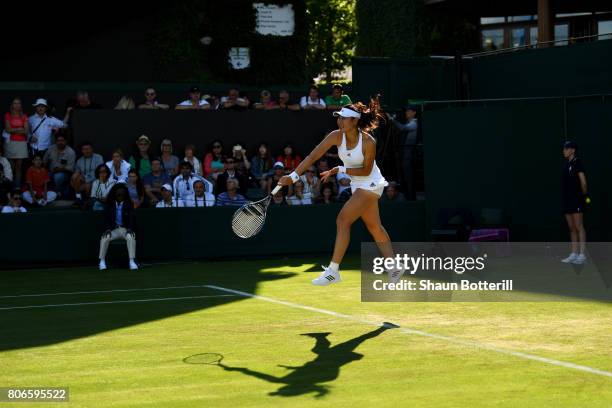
(151, 101)
(14, 205)
(231, 172)
(213, 160)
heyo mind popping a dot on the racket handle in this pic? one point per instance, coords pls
(276, 189)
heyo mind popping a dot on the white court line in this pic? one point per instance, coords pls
(448, 339)
(113, 302)
(101, 291)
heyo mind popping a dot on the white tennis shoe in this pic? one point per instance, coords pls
(571, 258)
(579, 260)
(133, 265)
(102, 265)
(327, 277)
(395, 275)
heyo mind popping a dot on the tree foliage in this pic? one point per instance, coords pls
(332, 33)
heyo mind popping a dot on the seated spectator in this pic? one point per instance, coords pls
(344, 182)
(14, 204)
(190, 157)
(392, 193)
(322, 165)
(337, 99)
(240, 158)
(154, 181)
(278, 198)
(311, 182)
(36, 188)
(231, 197)
(265, 101)
(169, 161)
(60, 159)
(119, 224)
(201, 197)
(6, 186)
(299, 197)
(167, 201)
(195, 100)
(151, 101)
(135, 188)
(214, 161)
(85, 171)
(16, 130)
(312, 100)
(183, 183)
(101, 186)
(125, 103)
(213, 100)
(261, 166)
(289, 158)
(234, 101)
(232, 173)
(118, 167)
(84, 102)
(278, 171)
(8, 171)
(141, 160)
(286, 103)
(327, 196)
(42, 127)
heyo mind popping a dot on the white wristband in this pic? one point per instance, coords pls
(294, 176)
(341, 169)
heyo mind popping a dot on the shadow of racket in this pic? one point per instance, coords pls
(204, 358)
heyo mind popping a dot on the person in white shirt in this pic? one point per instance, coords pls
(299, 197)
(118, 167)
(42, 126)
(312, 100)
(312, 184)
(14, 205)
(183, 183)
(101, 186)
(201, 197)
(167, 200)
(195, 100)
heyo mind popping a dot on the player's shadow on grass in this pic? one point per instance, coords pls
(325, 367)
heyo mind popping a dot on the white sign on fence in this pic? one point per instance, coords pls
(239, 57)
(273, 19)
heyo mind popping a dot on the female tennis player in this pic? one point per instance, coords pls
(357, 150)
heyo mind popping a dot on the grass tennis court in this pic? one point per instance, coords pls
(125, 342)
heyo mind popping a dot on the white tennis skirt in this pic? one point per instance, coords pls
(376, 187)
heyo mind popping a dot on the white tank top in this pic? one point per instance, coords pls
(354, 159)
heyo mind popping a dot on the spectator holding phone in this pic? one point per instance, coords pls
(60, 159)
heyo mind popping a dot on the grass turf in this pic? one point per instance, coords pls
(131, 354)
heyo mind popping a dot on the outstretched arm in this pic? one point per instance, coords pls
(330, 140)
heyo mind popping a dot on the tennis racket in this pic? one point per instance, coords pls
(249, 219)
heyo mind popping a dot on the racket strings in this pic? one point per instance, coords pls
(249, 219)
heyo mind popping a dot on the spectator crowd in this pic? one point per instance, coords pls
(38, 166)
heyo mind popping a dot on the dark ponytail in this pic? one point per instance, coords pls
(371, 114)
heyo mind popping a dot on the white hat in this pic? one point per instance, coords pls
(40, 101)
(347, 113)
(167, 187)
(278, 163)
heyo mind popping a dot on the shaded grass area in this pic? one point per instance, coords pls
(131, 354)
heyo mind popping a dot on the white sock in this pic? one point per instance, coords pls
(131, 259)
(334, 266)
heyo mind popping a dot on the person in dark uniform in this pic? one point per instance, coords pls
(574, 187)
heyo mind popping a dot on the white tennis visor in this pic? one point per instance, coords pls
(347, 113)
